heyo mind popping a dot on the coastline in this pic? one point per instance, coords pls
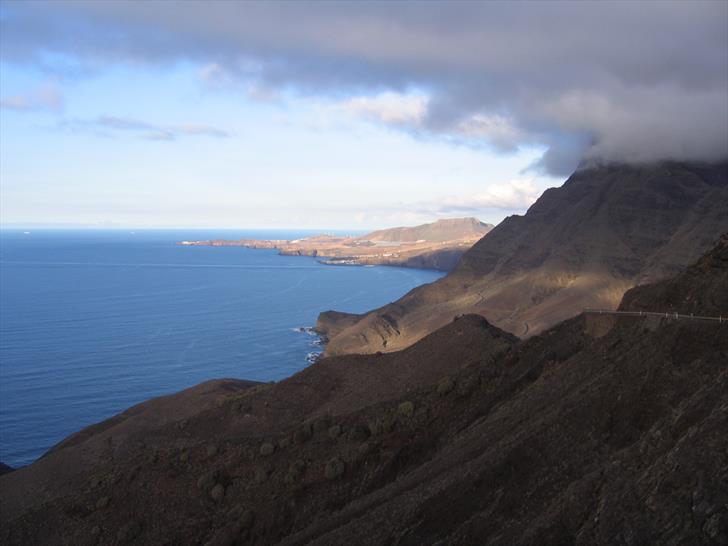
(173, 318)
(438, 245)
(319, 341)
(441, 259)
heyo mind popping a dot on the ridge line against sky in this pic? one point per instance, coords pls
(340, 114)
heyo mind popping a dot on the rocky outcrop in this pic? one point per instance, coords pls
(607, 229)
(331, 323)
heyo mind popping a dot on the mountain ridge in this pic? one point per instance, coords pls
(582, 245)
(443, 229)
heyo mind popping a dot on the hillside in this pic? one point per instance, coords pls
(437, 245)
(602, 430)
(582, 245)
(448, 229)
(703, 288)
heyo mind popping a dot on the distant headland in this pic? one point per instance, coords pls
(437, 245)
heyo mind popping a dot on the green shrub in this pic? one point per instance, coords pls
(295, 471)
(260, 475)
(407, 408)
(445, 385)
(246, 519)
(375, 428)
(208, 480)
(382, 425)
(320, 425)
(357, 433)
(467, 386)
(128, 532)
(334, 468)
(364, 449)
(217, 492)
(303, 433)
(298, 466)
(267, 449)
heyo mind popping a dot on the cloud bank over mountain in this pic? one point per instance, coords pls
(627, 81)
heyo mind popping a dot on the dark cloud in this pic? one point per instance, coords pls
(149, 131)
(633, 81)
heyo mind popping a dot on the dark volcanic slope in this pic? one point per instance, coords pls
(701, 290)
(581, 245)
(601, 430)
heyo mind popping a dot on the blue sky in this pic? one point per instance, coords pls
(307, 115)
(286, 161)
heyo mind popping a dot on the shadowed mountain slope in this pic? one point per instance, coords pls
(701, 290)
(601, 430)
(581, 245)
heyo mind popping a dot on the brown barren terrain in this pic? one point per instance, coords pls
(438, 245)
(601, 430)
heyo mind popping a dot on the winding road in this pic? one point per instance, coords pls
(667, 315)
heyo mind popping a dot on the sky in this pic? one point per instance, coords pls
(341, 115)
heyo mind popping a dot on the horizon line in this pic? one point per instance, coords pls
(51, 226)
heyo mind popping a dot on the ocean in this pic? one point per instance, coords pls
(92, 322)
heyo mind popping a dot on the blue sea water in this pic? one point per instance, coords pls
(92, 322)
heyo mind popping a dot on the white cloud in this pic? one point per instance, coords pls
(494, 129)
(215, 77)
(213, 74)
(519, 193)
(146, 130)
(195, 129)
(16, 102)
(389, 108)
(47, 96)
